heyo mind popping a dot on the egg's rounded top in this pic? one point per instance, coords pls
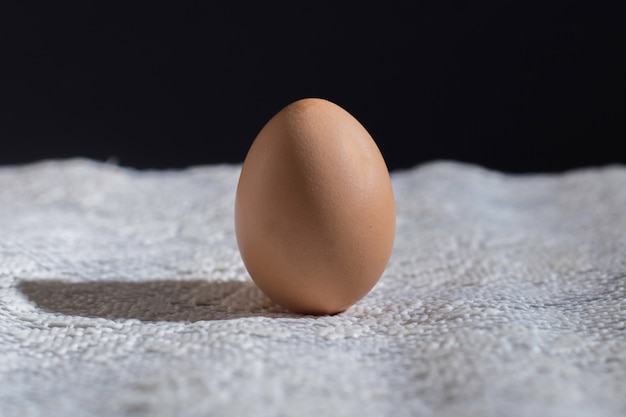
(314, 211)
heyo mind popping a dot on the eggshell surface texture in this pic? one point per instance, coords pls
(314, 210)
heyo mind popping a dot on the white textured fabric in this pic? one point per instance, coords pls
(122, 293)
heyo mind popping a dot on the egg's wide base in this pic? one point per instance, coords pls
(307, 306)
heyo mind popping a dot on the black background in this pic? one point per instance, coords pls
(507, 85)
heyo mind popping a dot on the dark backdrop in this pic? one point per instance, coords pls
(503, 84)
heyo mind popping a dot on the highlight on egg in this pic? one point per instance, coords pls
(314, 210)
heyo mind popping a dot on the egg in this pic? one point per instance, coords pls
(314, 209)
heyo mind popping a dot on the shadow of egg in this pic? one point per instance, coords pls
(154, 300)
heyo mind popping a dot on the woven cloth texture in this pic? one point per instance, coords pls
(122, 293)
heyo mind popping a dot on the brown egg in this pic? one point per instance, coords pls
(314, 211)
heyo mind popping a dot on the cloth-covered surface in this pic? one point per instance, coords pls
(122, 293)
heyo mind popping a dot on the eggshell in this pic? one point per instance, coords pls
(314, 209)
